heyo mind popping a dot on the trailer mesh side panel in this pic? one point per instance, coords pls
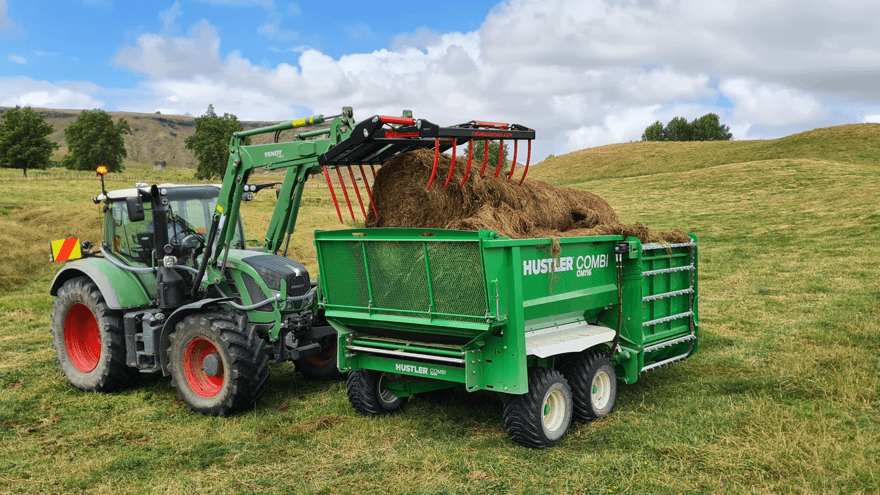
(392, 278)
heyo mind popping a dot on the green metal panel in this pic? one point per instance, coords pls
(121, 289)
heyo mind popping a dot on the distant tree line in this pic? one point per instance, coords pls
(93, 139)
(705, 128)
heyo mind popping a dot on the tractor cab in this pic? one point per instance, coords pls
(129, 226)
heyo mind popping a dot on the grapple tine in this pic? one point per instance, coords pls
(332, 193)
(436, 159)
(345, 192)
(451, 163)
(369, 193)
(373, 169)
(470, 159)
(513, 163)
(358, 192)
(485, 156)
(528, 159)
(500, 157)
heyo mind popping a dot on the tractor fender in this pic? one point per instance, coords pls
(121, 289)
(176, 317)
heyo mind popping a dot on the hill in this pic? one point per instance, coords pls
(154, 137)
(855, 144)
(782, 396)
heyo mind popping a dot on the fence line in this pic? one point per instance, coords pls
(312, 184)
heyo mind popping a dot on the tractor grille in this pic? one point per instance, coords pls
(392, 278)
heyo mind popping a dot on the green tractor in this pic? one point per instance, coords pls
(174, 289)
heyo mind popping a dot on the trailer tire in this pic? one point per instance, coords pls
(88, 338)
(216, 368)
(541, 417)
(321, 366)
(593, 384)
(367, 396)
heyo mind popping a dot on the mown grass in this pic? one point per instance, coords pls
(782, 398)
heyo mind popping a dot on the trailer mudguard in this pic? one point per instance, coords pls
(121, 289)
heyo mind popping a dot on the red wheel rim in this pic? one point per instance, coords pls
(82, 338)
(323, 358)
(194, 356)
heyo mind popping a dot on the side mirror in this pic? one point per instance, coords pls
(135, 208)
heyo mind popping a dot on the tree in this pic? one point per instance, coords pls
(654, 132)
(678, 129)
(24, 140)
(93, 139)
(492, 163)
(210, 142)
(706, 128)
(709, 128)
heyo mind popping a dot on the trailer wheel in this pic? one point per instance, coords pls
(88, 338)
(321, 366)
(541, 417)
(216, 368)
(593, 384)
(368, 395)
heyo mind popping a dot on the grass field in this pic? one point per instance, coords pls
(783, 396)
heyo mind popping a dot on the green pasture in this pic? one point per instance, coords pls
(783, 396)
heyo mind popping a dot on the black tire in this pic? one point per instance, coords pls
(215, 366)
(89, 339)
(541, 417)
(368, 396)
(321, 366)
(593, 383)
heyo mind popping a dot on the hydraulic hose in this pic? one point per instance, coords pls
(267, 301)
(619, 251)
(114, 262)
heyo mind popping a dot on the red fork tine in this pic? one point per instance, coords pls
(513, 163)
(500, 157)
(369, 193)
(452, 163)
(357, 191)
(470, 158)
(345, 192)
(332, 194)
(436, 159)
(485, 157)
(374, 171)
(528, 159)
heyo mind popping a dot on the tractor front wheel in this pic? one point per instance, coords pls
(88, 338)
(542, 416)
(593, 384)
(369, 395)
(321, 366)
(216, 368)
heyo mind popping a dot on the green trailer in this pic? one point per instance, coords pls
(552, 324)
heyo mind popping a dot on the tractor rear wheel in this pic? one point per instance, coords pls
(593, 384)
(88, 338)
(321, 366)
(542, 416)
(369, 395)
(216, 368)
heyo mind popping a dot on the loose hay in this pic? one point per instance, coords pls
(531, 210)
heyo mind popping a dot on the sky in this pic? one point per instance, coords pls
(581, 73)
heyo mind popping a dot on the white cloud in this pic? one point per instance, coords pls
(17, 59)
(274, 32)
(770, 104)
(9, 28)
(159, 56)
(581, 73)
(25, 91)
(872, 119)
(168, 16)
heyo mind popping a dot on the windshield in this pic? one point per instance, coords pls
(134, 240)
